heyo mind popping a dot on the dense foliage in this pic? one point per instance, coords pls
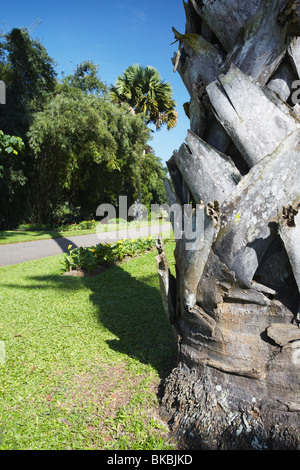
(81, 147)
(144, 90)
(105, 254)
(94, 147)
(12, 178)
(30, 78)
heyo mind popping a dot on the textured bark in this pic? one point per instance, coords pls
(234, 304)
(208, 173)
(254, 122)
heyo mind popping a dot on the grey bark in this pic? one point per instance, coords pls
(234, 304)
(254, 122)
(294, 52)
(249, 214)
(207, 173)
(263, 43)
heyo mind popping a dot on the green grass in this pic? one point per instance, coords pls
(18, 236)
(84, 357)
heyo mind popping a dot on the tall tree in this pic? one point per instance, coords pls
(151, 179)
(12, 179)
(29, 76)
(144, 90)
(87, 151)
(234, 304)
(86, 78)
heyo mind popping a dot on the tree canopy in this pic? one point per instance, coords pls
(144, 90)
(86, 78)
(95, 148)
(29, 75)
(81, 146)
(12, 178)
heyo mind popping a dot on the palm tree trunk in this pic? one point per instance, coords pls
(234, 304)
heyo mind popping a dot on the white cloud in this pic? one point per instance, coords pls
(139, 16)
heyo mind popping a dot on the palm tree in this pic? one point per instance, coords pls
(144, 90)
(234, 303)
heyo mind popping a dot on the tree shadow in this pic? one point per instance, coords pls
(14, 234)
(130, 308)
(133, 311)
(64, 243)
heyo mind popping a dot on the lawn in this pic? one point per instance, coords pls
(18, 236)
(84, 357)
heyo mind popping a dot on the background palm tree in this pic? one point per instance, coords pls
(144, 90)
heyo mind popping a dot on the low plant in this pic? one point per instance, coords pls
(83, 225)
(105, 254)
(118, 221)
(34, 227)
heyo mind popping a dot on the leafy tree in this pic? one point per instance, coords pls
(152, 177)
(10, 144)
(87, 151)
(12, 178)
(80, 148)
(86, 78)
(29, 75)
(144, 90)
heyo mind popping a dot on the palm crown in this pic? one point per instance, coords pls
(144, 90)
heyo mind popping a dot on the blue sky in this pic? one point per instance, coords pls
(114, 34)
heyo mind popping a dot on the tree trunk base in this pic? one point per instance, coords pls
(212, 410)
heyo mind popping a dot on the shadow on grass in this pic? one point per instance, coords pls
(133, 311)
(128, 307)
(16, 234)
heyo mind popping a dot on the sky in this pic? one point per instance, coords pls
(113, 34)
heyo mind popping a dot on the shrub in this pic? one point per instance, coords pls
(83, 225)
(105, 254)
(117, 221)
(34, 227)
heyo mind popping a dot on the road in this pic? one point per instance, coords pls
(20, 252)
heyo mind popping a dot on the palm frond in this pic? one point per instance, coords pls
(144, 90)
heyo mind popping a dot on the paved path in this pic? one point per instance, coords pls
(20, 252)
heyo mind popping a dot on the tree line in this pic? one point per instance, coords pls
(70, 144)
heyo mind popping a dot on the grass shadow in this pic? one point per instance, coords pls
(128, 307)
(85, 357)
(133, 311)
(13, 235)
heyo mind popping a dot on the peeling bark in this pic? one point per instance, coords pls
(179, 184)
(199, 55)
(208, 174)
(197, 246)
(294, 52)
(282, 81)
(289, 230)
(256, 124)
(235, 300)
(263, 43)
(249, 214)
(167, 284)
(226, 17)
